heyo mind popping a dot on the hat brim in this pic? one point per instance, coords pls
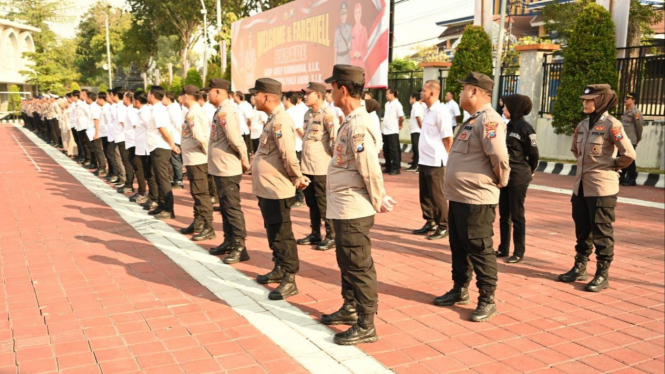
(331, 79)
(589, 96)
(254, 90)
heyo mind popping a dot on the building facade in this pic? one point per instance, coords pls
(15, 39)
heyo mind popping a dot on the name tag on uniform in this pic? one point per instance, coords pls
(515, 135)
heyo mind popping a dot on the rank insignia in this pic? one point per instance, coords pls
(359, 142)
(616, 131)
(600, 128)
(464, 135)
(339, 159)
(191, 123)
(472, 121)
(490, 129)
(278, 130)
(637, 116)
(222, 118)
(339, 148)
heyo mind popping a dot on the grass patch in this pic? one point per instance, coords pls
(639, 169)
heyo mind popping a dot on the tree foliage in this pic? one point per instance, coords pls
(103, 88)
(641, 19)
(474, 53)
(589, 59)
(176, 85)
(14, 105)
(74, 86)
(193, 78)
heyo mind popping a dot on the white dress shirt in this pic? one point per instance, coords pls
(73, 123)
(177, 119)
(454, 111)
(105, 121)
(159, 118)
(436, 127)
(141, 131)
(259, 120)
(245, 112)
(298, 118)
(210, 112)
(417, 110)
(120, 123)
(94, 113)
(131, 121)
(377, 129)
(394, 111)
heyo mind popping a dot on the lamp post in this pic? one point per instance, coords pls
(205, 41)
(108, 49)
(222, 41)
(499, 52)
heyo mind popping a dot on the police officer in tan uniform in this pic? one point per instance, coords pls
(597, 184)
(275, 177)
(194, 150)
(633, 124)
(227, 160)
(477, 168)
(355, 194)
(321, 126)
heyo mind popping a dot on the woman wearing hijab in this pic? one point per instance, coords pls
(523, 153)
(597, 184)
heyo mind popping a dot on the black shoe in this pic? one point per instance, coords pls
(150, 205)
(346, 315)
(156, 211)
(120, 183)
(486, 308)
(385, 171)
(286, 288)
(514, 259)
(326, 244)
(429, 227)
(221, 249)
(440, 233)
(395, 172)
(412, 169)
(124, 189)
(577, 273)
(601, 280)
(312, 238)
(164, 215)
(629, 184)
(194, 228)
(362, 331)
(207, 233)
(141, 199)
(114, 179)
(134, 197)
(237, 254)
(275, 276)
(501, 253)
(458, 295)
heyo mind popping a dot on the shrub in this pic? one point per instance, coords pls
(14, 105)
(194, 78)
(474, 53)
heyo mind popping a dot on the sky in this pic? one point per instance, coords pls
(415, 21)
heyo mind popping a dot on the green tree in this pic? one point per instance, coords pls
(590, 58)
(74, 86)
(214, 71)
(103, 88)
(193, 78)
(641, 19)
(406, 64)
(14, 105)
(176, 85)
(474, 53)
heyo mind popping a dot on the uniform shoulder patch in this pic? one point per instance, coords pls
(278, 130)
(359, 142)
(534, 142)
(617, 132)
(329, 121)
(490, 129)
(637, 115)
(222, 118)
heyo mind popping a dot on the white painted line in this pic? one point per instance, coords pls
(566, 169)
(302, 337)
(26, 153)
(550, 166)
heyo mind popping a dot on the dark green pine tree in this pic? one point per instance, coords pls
(474, 53)
(193, 78)
(590, 58)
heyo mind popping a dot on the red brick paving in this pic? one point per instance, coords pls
(81, 287)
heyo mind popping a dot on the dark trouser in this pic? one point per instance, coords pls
(300, 195)
(77, 140)
(176, 162)
(109, 152)
(55, 131)
(86, 145)
(129, 170)
(391, 152)
(432, 201)
(511, 213)
(248, 143)
(353, 249)
(143, 169)
(315, 197)
(98, 148)
(198, 187)
(415, 138)
(277, 222)
(161, 166)
(629, 174)
(233, 219)
(255, 145)
(593, 218)
(212, 188)
(470, 228)
(26, 121)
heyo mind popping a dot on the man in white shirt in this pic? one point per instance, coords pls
(73, 123)
(207, 107)
(160, 145)
(330, 103)
(120, 129)
(436, 141)
(415, 123)
(176, 120)
(95, 133)
(83, 123)
(142, 161)
(259, 120)
(108, 139)
(453, 108)
(245, 113)
(393, 120)
(289, 100)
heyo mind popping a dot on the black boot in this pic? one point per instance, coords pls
(312, 238)
(207, 233)
(327, 243)
(501, 252)
(440, 233)
(429, 227)
(578, 272)
(238, 252)
(195, 227)
(362, 331)
(601, 280)
(286, 288)
(346, 315)
(221, 249)
(275, 276)
(486, 308)
(458, 295)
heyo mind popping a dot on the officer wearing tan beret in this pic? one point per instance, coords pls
(597, 184)
(321, 126)
(227, 160)
(355, 194)
(275, 177)
(477, 168)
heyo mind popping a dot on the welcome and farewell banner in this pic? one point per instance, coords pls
(301, 42)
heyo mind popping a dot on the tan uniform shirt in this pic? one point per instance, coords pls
(194, 142)
(227, 147)
(478, 161)
(354, 187)
(275, 164)
(633, 123)
(320, 133)
(594, 149)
